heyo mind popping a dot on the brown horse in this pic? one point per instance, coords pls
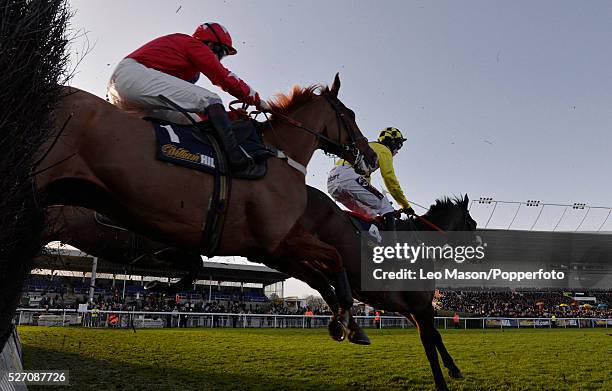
(103, 159)
(333, 226)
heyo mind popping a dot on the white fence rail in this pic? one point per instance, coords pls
(142, 319)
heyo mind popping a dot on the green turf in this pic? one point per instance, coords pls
(295, 359)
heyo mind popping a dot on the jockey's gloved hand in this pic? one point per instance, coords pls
(409, 211)
(264, 106)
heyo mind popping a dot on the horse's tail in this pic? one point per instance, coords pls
(33, 61)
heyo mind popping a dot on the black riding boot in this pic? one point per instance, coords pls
(217, 115)
(389, 220)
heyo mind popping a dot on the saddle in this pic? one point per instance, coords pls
(191, 146)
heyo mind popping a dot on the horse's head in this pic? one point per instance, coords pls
(343, 137)
(317, 111)
(448, 214)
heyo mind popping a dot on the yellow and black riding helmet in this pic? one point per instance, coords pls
(392, 138)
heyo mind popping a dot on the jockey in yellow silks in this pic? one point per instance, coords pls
(356, 192)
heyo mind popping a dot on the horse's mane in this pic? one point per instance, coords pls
(446, 203)
(286, 103)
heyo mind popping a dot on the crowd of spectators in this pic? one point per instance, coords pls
(481, 303)
(155, 302)
(524, 304)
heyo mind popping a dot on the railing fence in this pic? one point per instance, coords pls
(145, 319)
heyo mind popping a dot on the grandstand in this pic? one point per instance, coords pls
(64, 278)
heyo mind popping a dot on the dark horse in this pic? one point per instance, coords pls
(94, 234)
(333, 226)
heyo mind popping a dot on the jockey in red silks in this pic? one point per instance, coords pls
(170, 66)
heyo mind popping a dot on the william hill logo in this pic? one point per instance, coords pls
(175, 152)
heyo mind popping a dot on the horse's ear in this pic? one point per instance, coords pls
(466, 201)
(335, 86)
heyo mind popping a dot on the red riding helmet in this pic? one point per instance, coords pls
(214, 32)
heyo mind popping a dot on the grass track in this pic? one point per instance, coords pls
(295, 359)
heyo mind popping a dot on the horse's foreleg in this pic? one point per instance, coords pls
(425, 325)
(303, 270)
(300, 244)
(319, 281)
(453, 370)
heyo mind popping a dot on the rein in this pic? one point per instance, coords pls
(425, 221)
(429, 224)
(335, 144)
(336, 147)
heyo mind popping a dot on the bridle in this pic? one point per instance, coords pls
(328, 144)
(337, 148)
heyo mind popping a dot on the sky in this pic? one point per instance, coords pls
(503, 99)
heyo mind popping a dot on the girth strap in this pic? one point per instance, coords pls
(219, 200)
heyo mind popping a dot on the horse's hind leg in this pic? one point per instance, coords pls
(425, 325)
(453, 370)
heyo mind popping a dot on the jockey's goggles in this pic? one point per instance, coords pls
(219, 49)
(396, 145)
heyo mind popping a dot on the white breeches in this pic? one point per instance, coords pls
(136, 89)
(353, 191)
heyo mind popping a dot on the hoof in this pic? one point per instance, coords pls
(337, 330)
(455, 373)
(361, 339)
(357, 335)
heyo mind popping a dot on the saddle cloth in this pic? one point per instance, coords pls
(186, 145)
(366, 224)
